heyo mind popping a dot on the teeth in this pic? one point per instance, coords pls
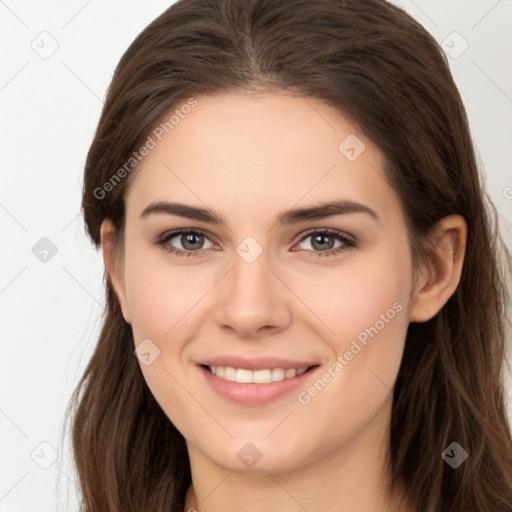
(230, 374)
(278, 374)
(290, 373)
(258, 376)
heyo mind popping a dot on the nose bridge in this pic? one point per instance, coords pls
(252, 297)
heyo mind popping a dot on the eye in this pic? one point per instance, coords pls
(326, 242)
(191, 242)
(185, 242)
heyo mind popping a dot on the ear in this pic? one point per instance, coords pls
(440, 278)
(113, 265)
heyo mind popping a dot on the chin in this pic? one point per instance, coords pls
(263, 455)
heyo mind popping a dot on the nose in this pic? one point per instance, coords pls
(252, 299)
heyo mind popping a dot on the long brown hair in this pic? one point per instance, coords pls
(385, 72)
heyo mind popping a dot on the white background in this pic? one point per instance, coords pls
(50, 107)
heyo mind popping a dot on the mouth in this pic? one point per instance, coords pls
(263, 376)
(266, 382)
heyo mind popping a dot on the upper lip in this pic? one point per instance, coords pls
(255, 363)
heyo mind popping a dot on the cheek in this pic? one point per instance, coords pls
(161, 299)
(367, 299)
(159, 294)
(367, 309)
(364, 312)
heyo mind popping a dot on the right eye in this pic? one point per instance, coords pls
(191, 241)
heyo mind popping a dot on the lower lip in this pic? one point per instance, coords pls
(252, 393)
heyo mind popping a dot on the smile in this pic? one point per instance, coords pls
(268, 380)
(263, 376)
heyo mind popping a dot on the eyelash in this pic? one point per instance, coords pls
(347, 241)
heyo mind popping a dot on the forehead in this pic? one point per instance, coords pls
(259, 152)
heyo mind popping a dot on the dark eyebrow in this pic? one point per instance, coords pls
(182, 210)
(323, 211)
(292, 216)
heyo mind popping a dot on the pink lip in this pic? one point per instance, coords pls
(255, 363)
(252, 393)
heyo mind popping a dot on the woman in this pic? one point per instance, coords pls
(305, 304)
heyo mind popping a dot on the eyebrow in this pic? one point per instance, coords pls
(287, 217)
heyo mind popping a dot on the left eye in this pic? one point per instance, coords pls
(325, 241)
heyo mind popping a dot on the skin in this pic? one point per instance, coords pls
(247, 157)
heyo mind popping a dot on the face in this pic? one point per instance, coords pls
(265, 281)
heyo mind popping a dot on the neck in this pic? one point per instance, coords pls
(351, 477)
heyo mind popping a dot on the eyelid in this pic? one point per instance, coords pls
(328, 231)
(167, 235)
